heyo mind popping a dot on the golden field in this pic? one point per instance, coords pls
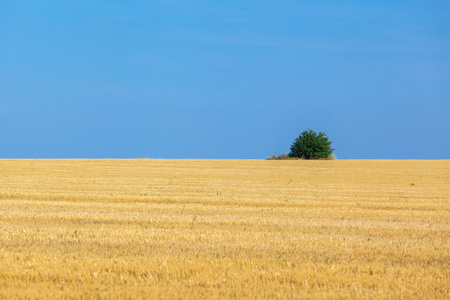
(201, 229)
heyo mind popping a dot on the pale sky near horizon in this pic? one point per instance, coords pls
(223, 79)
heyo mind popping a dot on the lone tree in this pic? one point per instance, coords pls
(310, 145)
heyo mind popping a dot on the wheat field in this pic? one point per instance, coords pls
(214, 229)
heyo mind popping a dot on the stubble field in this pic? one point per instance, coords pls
(196, 229)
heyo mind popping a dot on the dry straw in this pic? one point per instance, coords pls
(224, 229)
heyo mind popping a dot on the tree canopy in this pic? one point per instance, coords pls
(311, 145)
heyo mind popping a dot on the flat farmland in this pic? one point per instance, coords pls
(200, 229)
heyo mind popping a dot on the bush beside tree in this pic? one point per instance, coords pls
(277, 157)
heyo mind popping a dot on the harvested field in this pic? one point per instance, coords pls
(197, 229)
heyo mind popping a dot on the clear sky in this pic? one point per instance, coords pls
(223, 79)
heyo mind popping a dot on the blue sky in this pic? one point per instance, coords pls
(223, 79)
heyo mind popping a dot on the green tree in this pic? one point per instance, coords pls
(311, 145)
